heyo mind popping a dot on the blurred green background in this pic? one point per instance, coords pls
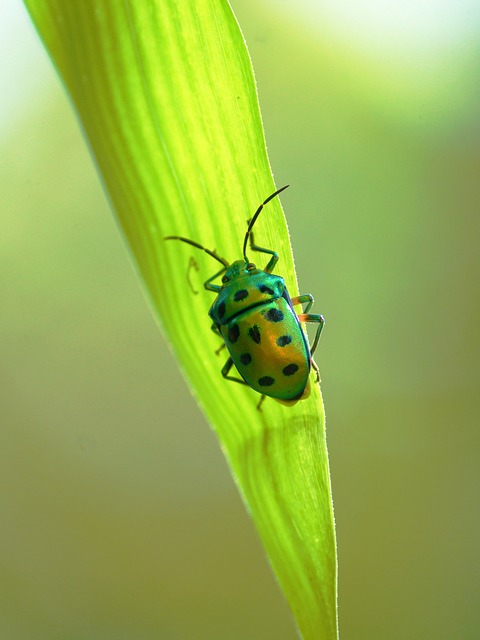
(119, 519)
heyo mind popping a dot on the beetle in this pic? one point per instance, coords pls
(255, 316)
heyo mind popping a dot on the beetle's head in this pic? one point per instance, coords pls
(238, 269)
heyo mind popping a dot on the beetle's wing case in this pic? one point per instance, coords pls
(269, 349)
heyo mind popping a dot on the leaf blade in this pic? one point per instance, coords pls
(166, 97)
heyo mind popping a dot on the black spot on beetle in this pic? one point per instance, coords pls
(282, 341)
(266, 381)
(290, 369)
(221, 310)
(233, 333)
(245, 358)
(264, 289)
(254, 333)
(240, 295)
(274, 315)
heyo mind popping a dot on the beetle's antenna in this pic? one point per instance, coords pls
(254, 219)
(199, 246)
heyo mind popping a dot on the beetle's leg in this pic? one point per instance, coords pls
(305, 298)
(260, 402)
(213, 287)
(308, 300)
(273, 260)
(226, 368)
(317, 370)
(216, 331)
(313, 317)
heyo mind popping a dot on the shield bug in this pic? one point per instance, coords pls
(255, 316)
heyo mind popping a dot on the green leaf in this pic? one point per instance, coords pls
(165, 93)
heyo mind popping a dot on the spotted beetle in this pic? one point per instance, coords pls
(254, 315)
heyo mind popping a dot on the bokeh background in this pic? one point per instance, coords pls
(119, 519)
